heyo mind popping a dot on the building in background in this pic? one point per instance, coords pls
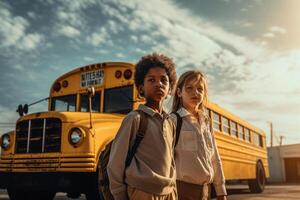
(284, 163)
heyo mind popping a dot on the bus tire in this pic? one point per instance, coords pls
(94, 192)
(257, 185)
(22, 194)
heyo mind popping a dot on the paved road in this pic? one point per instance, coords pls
(236, 192)
(271, 192)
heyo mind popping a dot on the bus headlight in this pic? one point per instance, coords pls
(5, 141)
(76, 136)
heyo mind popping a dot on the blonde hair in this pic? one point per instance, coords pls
(183, 79)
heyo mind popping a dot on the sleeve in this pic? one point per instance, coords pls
(116, 165)
(219, 179)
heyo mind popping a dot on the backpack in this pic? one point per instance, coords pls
(178, 126)
(104, 157)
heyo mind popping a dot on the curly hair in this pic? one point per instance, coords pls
(154, 60)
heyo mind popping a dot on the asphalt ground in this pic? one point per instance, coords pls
(235, 192)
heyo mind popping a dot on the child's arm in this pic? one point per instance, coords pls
(219, 179)
(119, 150)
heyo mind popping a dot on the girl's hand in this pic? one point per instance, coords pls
(221, 198)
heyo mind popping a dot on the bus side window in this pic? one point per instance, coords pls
(241, 132)
(256, 139)
(247, 135)
(216, 121)
(225, 125)
(233, 129)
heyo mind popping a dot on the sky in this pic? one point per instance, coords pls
(248, 49)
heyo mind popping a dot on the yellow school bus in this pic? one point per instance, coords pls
(242, 148)
(59, 150)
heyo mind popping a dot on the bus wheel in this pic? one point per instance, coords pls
(257, 185)
(94, 192)
(22, 194)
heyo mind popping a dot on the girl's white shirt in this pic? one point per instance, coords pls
(196, 155)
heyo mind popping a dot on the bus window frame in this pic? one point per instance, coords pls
(124, 86)
(257, 139)
(217, 122)
(240, 127)
(55, 97)
(224, 125)
(233, 130)
(247, 139)
(86, 94)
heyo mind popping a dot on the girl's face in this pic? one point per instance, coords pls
(192, 93)
(156, 85)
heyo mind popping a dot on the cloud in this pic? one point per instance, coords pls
(68, 17)
(277, 29)
(30, 41)
(8, 119)
(247, 24)
(32, 15)
(13, 31)
(197, 44)
(134, 38)
(269, 35)
(69, 31)
(274, 31)
(244, 77)
(99, 37)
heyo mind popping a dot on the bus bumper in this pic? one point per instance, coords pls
(60, 182)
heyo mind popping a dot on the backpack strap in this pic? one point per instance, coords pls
(139, 137)
(178, 127)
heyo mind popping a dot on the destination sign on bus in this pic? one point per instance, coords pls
(91, 78)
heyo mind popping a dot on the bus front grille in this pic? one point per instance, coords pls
(38, 136)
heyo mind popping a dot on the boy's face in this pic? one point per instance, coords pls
(156, 84)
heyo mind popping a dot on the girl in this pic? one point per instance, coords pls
(197, 158)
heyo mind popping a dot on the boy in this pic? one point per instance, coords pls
(151, 173)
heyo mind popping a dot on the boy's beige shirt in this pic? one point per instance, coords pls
(152, 169)
(196, 154)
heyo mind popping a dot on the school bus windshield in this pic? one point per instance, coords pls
(116, 100)
(64, 103)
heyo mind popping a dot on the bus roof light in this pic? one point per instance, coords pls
(56, 86)
(118, 74)
(127, 74)
(65, 83)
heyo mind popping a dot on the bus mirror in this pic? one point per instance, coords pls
(91, 91)
(20, 110)
(25, 108)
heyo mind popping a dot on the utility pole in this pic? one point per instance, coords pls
(271, 134)
(281, 138)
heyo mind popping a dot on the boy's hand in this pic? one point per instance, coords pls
(221, 198)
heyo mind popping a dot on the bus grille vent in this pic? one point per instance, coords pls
(38, 136)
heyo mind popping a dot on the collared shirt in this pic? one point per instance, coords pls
(152, 169)
(196, 154)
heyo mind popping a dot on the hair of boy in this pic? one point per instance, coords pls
(183, 79)
(154, 60)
